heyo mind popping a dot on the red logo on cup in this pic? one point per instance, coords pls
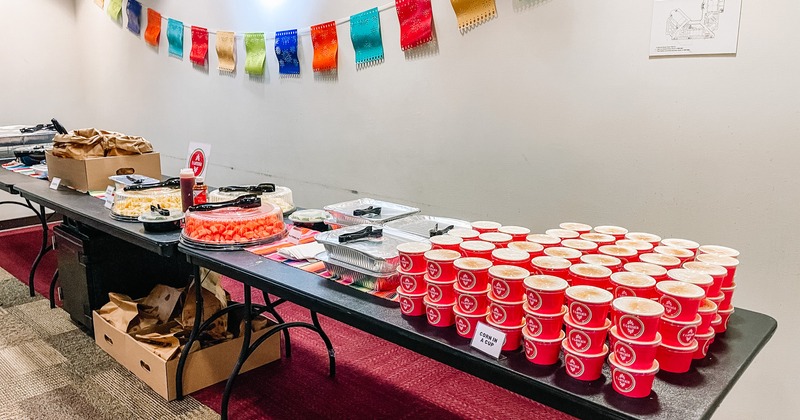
(530, 350)
(624, 291)
(574, 365)
(405, 262)
(579, 340)
(434, 292)
(672, 307)
(433, 315)
(624, 354)
(706, 346)
(462, 325)
(498, 314)
(434, 271)
(197, 161)
(631, 326)
(534, 300)
(409, 283)
(500, 288)
(406, 304)
(580, 313)
(466, 280)
(534, 326)
(468, 303)
(686, 334)
(624, 380)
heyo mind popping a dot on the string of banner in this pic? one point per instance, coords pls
(415, 16)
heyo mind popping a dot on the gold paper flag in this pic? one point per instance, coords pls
(471, 13)
(225, 54)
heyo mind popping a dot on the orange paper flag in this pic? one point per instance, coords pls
(326, 46)
(153, 31)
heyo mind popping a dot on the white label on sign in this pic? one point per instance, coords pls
(294, 236)
(109, 197)
(488, 340)
(55, 183)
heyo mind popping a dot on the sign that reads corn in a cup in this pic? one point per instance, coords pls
(488, 340)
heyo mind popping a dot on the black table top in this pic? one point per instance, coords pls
(92, 212)
(695, 394)
(8, 179)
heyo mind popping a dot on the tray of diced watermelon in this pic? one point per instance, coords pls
(233, 228)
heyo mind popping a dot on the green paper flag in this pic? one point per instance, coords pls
(256, 53)
(115, 9)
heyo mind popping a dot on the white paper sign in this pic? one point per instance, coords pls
(294, 236)
(690, 27)
(488, 340)
(197, 158)
(109, 197)
(55, 183)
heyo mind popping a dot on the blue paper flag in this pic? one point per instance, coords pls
(134, 12)
(175, 37)
(365, 32)
(286, 52)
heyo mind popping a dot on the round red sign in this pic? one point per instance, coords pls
(197, 161)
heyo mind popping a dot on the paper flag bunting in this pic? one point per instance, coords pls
(326, 46)
(415, 17)
(286, 52)
(114, 9)
(471, 13)
(225, 54)
(175, 37)
(256, 50)
(199, 46)
(153, 31)
(134, 12)
(365, 32)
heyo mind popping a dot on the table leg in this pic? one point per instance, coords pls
(198, 299)
(45, 248)
(243, 353)
(53, 290)
(271, 308)
(331, 352)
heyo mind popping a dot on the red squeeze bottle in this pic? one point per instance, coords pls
(187, 185)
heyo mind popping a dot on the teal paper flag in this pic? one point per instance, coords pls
(365, 32)
(175, 37)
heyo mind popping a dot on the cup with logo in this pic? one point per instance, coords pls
(717, 273)
(542, 351)
(581, 245)
(637, 318)
(446, 242)
(439, 314)
(545, 294)
(476, 249)
(633, 354)
(626, 283)
(472, 301)
(441, 291)
(678, 333)
(657, 272)
(412, 257)
(411, 304)
(590, 275)
(552, 266)
(541, 325)
(681, 300)
(586, 339)
(500, 240)
(518, 233)
(485, 226)
(707, 312)
(505, 313)
(466, 323)
(588, 306)
(583, 366)
(617, 232)
(543, 239)
(513, 334)
(613, 263)
(632, 383)
(532, 248)
(472, 273)
(413, 283)
(569, 254)
(725, 316)
(439, 264)
(704, 341)
(506, 282)
(701, 280)
(507, 256)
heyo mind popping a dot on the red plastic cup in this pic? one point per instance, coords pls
(513, 334)
(613, 263)
(585, 247)
(681, 300)
(532, 248)
(542, 351)
(551, 266)
(676, 359)
(506, 256)
(716, 324)
(545, 326)
(466, 323)
(506, 282)
(717, 273)
(465, 234)
(642, 236)
(667, 261)
(632, 383)
(725, 316)
(484, 226)
(562, 233)
(446, 242)
(600, 239)
(575, 226)
(617, 232)
(626, 283)
(412, 258)
(637, 318)
(413, 284)
(583, 366)
(477, 249)
(701, 280)
(727, 300)
(442, 292)
(634, 354)
(439, 315)
(508, 314)
(657, 272)
(586, 339)
(439, 263)
(681, 243)
(680, 253)
(544, 239)
(411, 304)
(707, 312)
(500, 240)
(703, 343)
(545, 294)
(624, 253)
(678, 333)
(588, 306)
(472, 273)
(590, 275)
(518, 233)
(641, 247)
(472, 302)
(569, 254)
(729, 263)
(718, 250)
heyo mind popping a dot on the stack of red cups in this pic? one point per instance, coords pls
(587, 327)
(506, 298)
(725, 257)
(634, 343)
(472, 290)
(679, 324)
(544, 313)
(411, 269)
(440, 279)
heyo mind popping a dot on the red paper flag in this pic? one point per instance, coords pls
(199, 45)
(326, 46)
(416, 17)
(153, 31)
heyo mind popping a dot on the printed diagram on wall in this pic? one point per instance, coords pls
(689, 27)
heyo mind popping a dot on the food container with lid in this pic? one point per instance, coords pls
(379, 282)
(367, 211)
(232, 225)
(426, 226)
(269, 193)
(133, 201)
(365, 246)
(310, 218)
(161, 220)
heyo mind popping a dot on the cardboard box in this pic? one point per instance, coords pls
(203, 367)
(92, 174)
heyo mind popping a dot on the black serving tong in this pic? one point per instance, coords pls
(53, 126)
(368, 232)
(266, 187)
(136, 181)
(246, 201)
(169, 183)
(371, 210)
(157, 209)
(438, 232)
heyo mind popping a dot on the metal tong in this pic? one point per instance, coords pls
(367, 211)
(265, 187)
(246, 201)
(437, 232)
(366, 233)
(170, 183)
(157, 209)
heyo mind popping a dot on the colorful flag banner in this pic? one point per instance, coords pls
(471, 13)
(326, 46)
(199, 46)
(225, 54)
(256, 53)
(286, 52)
(416, 17)
(175, 37)
(153, 31)
(134, 11)
(115, 9)
(365, 32)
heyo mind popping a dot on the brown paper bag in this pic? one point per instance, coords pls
(91, 143)
(161, 302)
(164, 346)
(120, 311)
(214, 299)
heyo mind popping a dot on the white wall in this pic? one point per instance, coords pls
(551, 112)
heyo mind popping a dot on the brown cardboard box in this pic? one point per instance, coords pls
(92, 174)
(203, 368)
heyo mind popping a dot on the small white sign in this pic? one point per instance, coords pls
(294, 236)
(197, 158)
(488, 340)
(55, 183)
(109, 197)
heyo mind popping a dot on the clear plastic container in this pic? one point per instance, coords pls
(281, 197)
(349, 213)
(377, 255)
(422, 225)
(129, 205)
(233, 228)
(380, 282)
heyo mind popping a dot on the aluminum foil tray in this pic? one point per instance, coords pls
(375, 255)
(343, 212)
(421, 225)
(374, 281)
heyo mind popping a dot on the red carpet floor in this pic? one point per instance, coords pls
(374, 378)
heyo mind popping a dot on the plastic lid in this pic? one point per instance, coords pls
(719, 249)
(642, 236)
(414, 247)
(628, 278)
(464, 233)
(514, 230)
(598, 237)
(589, 294)
(563, 252)
(618, 250)
(472, 263)
(576, 226)
(442, 255)
(717, 259)
(706, 268)
(600, 259)
(611, 230)
(551, 263)
(495, 237)
(528, 247)
(660, 259)
(507, 254)
(679, 288)
(546, 283)
(511, 272)
(562, 233)
(580, 244)
(638, 306)
(543, 238)
(690, 276)
(590, 270)
(485, 224)
(637, 245)
(645, 268)
(187, 173)
(198, 180)
(673, 251)
(477, 246)
(680, 243)
(446, 240)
